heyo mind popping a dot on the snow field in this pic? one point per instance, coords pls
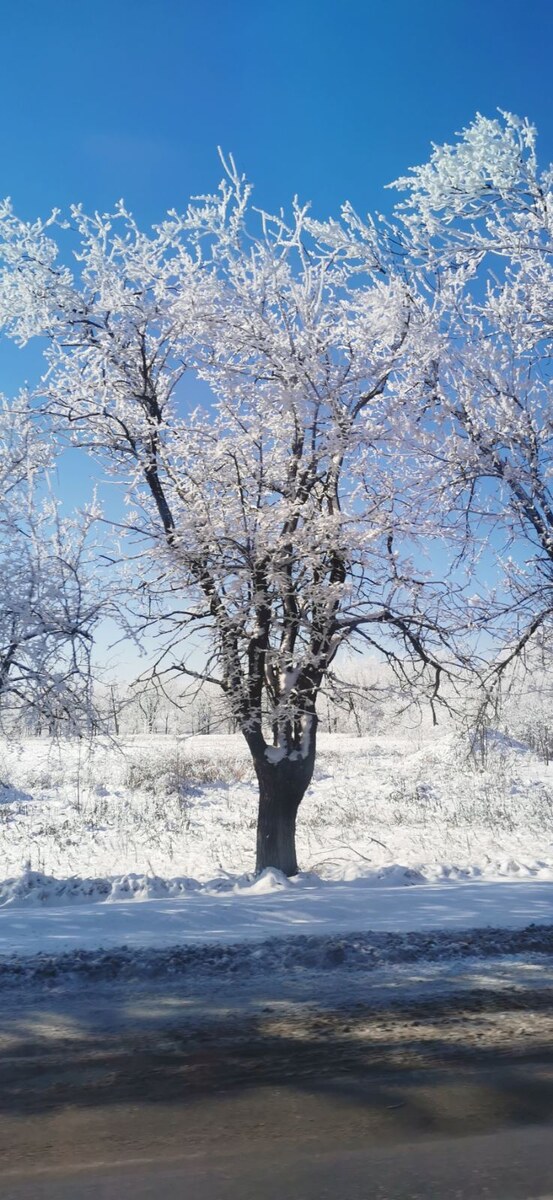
(158, 817)
(397, 834)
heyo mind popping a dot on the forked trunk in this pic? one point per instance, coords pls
(282, 786)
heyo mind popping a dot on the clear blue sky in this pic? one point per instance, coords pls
(327, 98)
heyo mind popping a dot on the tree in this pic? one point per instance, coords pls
(478, 223)
(47, 611)
(276, 520)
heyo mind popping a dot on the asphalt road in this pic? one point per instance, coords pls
(505, 1165)
(509, 1166)
(116, 1095)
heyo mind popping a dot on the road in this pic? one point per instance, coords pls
(445, 1095)
(341, 1142)
(504, 1166)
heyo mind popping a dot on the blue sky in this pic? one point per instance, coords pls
(327, 98)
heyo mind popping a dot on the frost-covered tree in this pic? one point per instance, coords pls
(48, 608)
(275, 520)
(478, 228)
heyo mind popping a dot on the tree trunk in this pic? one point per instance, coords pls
(282, 787)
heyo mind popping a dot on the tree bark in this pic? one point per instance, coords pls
(282, 787)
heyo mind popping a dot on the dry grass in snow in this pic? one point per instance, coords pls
(166, 807)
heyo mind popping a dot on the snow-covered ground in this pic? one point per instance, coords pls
(317, 908)
(400, 832)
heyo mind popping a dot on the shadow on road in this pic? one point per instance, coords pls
(443, 1065)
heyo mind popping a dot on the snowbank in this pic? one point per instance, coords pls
(34, 889)
(292, 963)
(240, 913)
